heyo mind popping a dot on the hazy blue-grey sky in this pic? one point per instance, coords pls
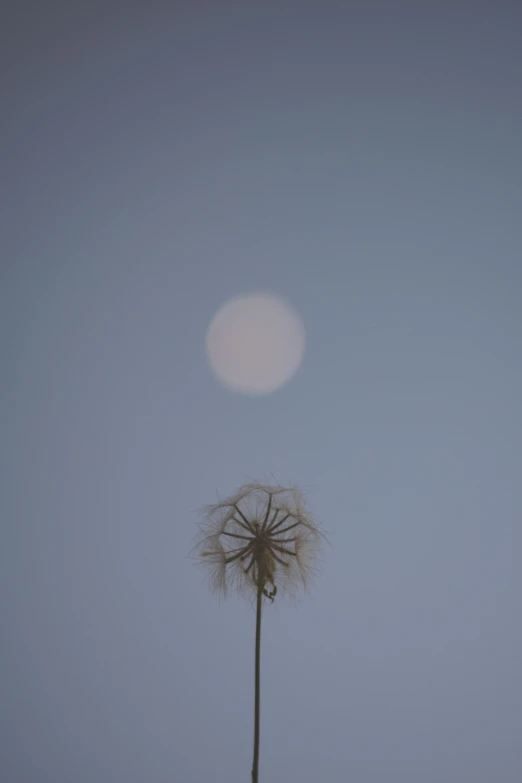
(362, 160)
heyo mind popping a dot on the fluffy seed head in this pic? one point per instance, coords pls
(260, 536)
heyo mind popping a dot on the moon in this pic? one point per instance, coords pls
(255, 343)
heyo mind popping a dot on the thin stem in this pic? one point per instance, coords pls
(255, 764)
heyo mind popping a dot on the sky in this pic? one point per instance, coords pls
(362, 161)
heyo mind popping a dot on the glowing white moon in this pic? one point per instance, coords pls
(255, 343)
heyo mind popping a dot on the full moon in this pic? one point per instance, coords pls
(255, 343)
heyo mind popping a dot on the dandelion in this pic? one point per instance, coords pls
(259, 542)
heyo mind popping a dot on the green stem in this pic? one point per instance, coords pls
(255, 765)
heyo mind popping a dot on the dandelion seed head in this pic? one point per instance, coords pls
(262, 536)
